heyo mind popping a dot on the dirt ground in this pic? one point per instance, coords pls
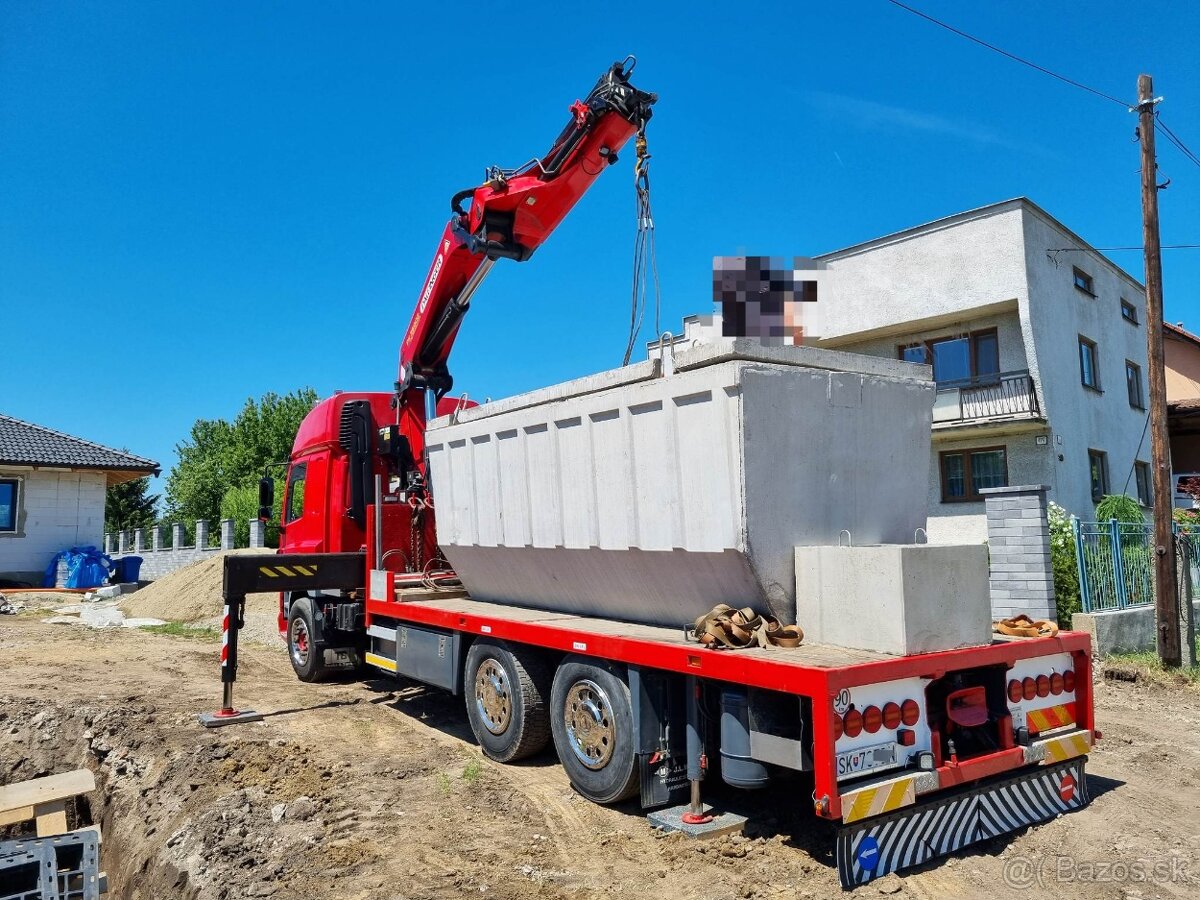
(376, 790)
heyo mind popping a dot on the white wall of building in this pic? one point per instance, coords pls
(56, 510)
(1081, 418)
(969, 260)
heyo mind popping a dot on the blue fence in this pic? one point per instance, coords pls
(1116, 563)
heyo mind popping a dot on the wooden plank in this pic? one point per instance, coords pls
(51, 818)
(13, 816)
(38, 791)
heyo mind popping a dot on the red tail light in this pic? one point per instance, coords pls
(1069, 681)
(852, 723)
(872, 719)
(891, 715)
(1029, 688)
(837, 726)
(1043, 685)
(1056, 684)
(905, 737)
(910, 713)
(1014, 691)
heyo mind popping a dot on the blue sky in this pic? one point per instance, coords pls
(203, 202)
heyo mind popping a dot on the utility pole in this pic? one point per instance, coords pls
(1166, 598)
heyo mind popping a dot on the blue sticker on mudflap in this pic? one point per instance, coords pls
(867, 856)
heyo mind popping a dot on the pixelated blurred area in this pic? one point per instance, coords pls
(769, 298)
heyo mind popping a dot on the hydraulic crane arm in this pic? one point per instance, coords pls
(510, 215)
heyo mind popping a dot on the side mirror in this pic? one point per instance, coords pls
(266, 497)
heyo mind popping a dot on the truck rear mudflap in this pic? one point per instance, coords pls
(872, 848)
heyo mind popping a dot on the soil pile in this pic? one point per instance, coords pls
(193, 594)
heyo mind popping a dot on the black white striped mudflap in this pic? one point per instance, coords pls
(871, 848)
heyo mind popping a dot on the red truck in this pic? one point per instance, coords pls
(912, 757)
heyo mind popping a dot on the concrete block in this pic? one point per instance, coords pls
(652, 498)
(1121, 630)
(258, 537)
(902, 599)
(227, 534)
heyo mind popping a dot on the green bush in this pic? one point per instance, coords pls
(1066, 568)
(1121, 507)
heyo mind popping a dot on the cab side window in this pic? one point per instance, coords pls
(295, 493)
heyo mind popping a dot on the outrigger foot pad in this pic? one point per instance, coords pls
(713, 824)
(224, 717)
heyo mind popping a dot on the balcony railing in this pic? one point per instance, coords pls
(1006, 395)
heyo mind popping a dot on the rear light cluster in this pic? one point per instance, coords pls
(1043, 686)
(871, 719)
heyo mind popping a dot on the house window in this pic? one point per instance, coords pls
(1141, 473)
(1098, 469)
(1083, 281)
(958, 358)
(295, 493)
(1089, 373)
(966, 472)
(9, 494)
(1133, 382)
(1128, 312)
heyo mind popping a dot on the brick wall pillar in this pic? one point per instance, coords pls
(139, 540)
(156, 537)
(122, 541)
(1022, 577)
(108, 542)
(177, 536)
(258, 534)
(201, 534)
(227, 534)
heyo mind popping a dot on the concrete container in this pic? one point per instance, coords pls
(650, 497)
(918, 598)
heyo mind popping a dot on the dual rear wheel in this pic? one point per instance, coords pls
(516, 704)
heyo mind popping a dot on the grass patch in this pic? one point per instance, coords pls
(443, 783)
(1148, 667)
(471, 771)
(183, 630)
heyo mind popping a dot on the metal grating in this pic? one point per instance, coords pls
(70, 864)
(27, 874)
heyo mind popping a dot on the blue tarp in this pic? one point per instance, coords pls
(86, 567)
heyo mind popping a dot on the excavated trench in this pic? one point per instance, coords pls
(43, 739)
(184, 814)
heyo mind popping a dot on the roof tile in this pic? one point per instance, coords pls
(26, 444)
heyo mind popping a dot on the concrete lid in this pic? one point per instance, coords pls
(724, 350)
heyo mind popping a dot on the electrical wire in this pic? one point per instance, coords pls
(1012, 56)
(1166, 132)
(1114, 249)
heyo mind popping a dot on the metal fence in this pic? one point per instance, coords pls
(1116, 562)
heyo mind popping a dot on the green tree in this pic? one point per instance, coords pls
(241, 505)
(130, 505)
(218, 456)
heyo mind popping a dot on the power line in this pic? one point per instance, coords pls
(1113, 249)
(1012, 56)
(1175, 139)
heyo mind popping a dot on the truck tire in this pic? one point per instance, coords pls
(304, 650)
(592, 720)
(506, 689)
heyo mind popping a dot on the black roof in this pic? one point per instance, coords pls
(26, 444)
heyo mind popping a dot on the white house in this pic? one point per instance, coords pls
(1037, 343)
(52, 488)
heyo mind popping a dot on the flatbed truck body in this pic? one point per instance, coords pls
(901, 775)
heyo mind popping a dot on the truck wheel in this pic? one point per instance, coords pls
(305, 651)
(592, 720)
(506, 689)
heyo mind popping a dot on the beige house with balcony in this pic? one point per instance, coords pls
(1037, 344)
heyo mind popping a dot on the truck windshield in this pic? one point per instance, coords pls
(295, 492)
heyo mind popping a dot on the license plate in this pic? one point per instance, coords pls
(865, 759)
